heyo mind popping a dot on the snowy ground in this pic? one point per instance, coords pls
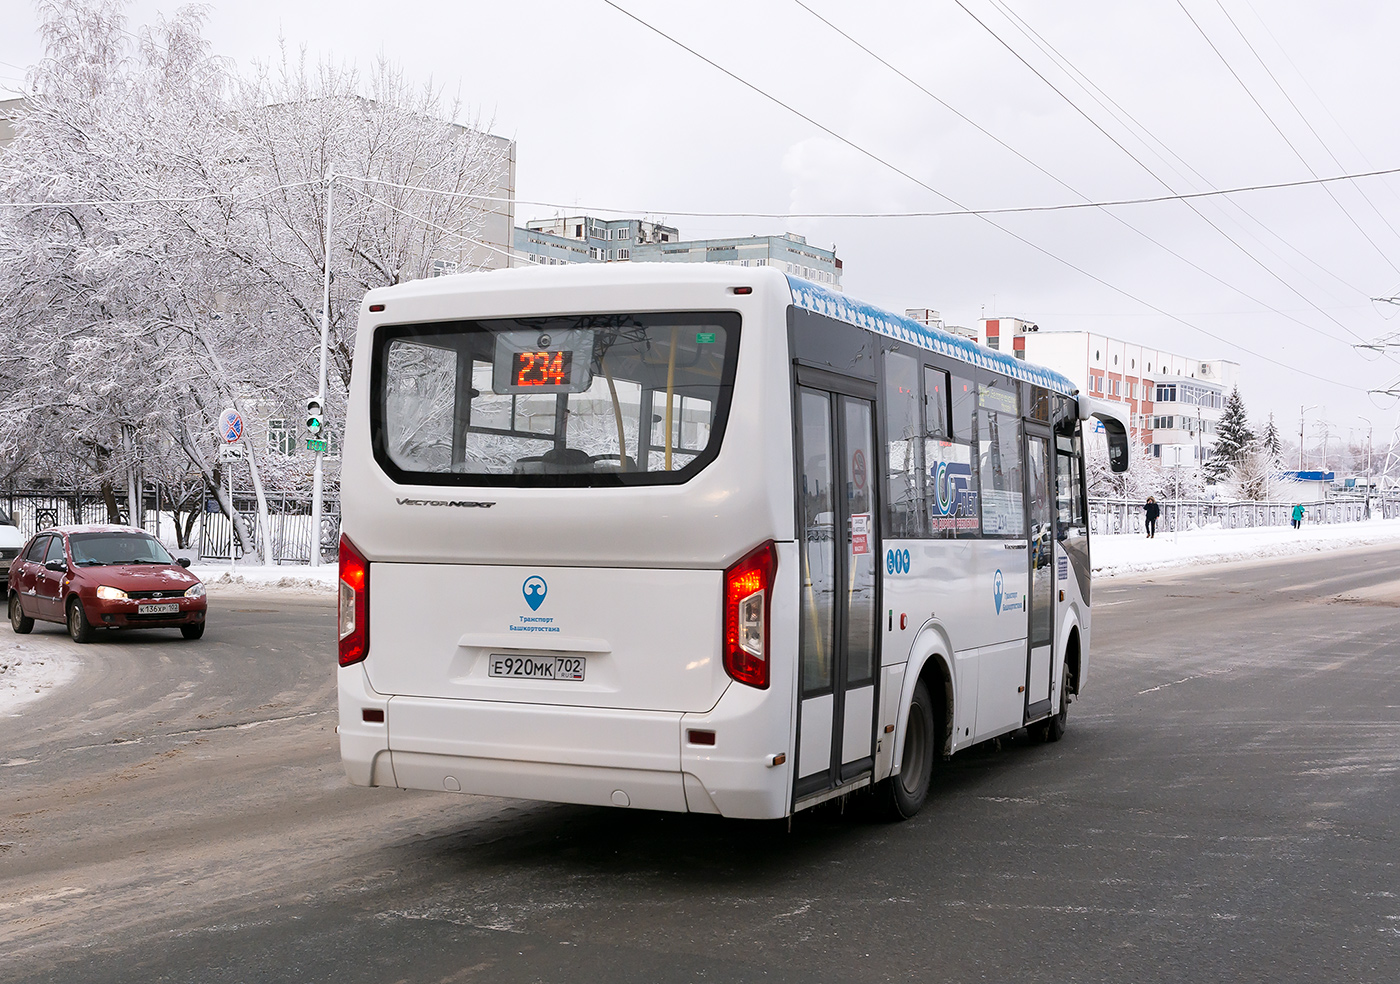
(31, 666)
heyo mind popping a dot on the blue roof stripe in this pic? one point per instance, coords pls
(817, 299)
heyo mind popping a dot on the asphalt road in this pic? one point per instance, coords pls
(1223, 808)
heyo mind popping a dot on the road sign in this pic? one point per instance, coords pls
(231, 452)
(230, 429)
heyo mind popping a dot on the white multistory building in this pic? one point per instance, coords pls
(1174, 401)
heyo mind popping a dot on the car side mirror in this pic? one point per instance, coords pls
(183, 561)
(57, 565)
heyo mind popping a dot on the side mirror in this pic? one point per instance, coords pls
(183, 561)
(57, 565)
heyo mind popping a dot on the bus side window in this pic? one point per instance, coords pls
(904, 459)
(950, 466)
(999, 435)
(936, 412)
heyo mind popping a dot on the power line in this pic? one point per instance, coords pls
(1279, 130)
(1165, 154)
(1095, 124)
(1301, 115)
(1021, 239)
(1128, 225)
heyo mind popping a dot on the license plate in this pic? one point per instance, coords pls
(538, 667)
(169, 609)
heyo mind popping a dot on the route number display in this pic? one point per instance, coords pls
(543, 361)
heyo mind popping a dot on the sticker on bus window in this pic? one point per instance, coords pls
(704, 337)
(860, 533)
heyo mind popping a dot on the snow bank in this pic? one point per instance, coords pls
(30, 667)
(296, 580)
(1129, 553)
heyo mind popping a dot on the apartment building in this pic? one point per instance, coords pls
(1174, 401)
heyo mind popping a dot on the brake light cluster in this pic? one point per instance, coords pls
(748, 592)
(354, 603)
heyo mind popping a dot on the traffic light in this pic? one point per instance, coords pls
(314, 418)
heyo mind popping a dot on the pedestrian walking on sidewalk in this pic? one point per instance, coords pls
(1298, 511)
(1152, 510)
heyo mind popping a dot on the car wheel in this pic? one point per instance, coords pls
(192, 631)
(19, 621)
(903, 795)
(79, 628)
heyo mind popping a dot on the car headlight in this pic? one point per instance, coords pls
(108, 593)
(195, 590)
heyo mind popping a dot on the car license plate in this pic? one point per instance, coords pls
(538, 667)
(169, 609)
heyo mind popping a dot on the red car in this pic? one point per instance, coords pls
(103, 577)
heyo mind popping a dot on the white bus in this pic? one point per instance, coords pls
(698, 538)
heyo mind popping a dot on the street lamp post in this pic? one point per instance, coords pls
(1367, 512)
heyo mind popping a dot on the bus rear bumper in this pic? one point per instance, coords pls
(563, 754)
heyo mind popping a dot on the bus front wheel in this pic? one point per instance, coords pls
(903, 795)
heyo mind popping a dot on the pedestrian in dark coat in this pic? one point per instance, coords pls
(1153, 511)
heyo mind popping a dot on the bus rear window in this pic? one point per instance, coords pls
(606, 400)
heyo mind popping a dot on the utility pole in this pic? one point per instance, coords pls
(1302, 414)
(318, 475)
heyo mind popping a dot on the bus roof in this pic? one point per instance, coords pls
(819, 300)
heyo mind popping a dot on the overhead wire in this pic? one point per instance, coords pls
(1128, 225)
(1301, 115)
(1163, 152)
(1279, 130)
(1159, 179)
(1156, 177)
(1021, 239)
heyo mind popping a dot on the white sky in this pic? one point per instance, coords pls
(608, 114)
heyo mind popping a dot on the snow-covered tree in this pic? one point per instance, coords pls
(1270, 440)
(1233, 436)
(130, 326)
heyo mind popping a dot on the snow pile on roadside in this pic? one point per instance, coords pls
(299, 580)
(1130, 553)
(31, 667)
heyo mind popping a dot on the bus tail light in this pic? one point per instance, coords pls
(748, 593)
(354, 604)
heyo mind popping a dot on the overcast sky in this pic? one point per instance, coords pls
(610, 115)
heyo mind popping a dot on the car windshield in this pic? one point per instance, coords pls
(97, 549)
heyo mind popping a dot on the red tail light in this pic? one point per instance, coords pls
(354, 604)
(748, 593)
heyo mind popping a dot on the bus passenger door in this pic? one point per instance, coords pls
(1041, 600)
(837, 511)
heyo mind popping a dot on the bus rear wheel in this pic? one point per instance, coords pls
(902, 796)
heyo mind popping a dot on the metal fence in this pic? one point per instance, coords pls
(289, 529)
(289, 521)
(1125, 516)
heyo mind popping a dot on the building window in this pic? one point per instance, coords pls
(281, 439)
(624, 254)
(595, 253)
(443, 268)
(993, 342)
(578, 232)
(1166, 392)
